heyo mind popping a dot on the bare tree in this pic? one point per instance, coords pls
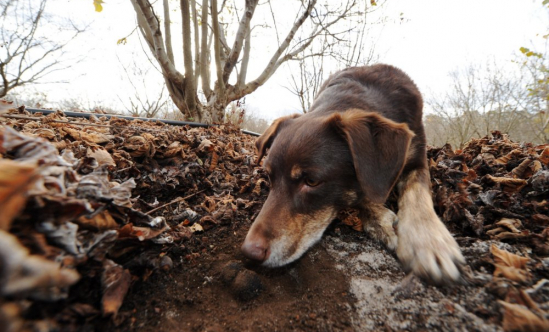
(207, 29)
(481, 99)
(347, 45)
(145, 101)
(28, 52)
(245, 117)
(536, 69)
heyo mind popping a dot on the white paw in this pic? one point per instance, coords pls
(428, 250)
(387, 222)
(382, 228)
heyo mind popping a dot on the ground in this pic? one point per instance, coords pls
(128, 226)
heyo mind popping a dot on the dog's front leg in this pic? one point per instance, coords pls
(425, 246)
(378, 221)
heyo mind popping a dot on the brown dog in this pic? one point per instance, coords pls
(362, 136)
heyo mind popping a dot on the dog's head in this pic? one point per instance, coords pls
(317, 165)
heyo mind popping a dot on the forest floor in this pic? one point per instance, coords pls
(119, 225)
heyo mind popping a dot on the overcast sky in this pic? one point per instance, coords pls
(434, 38)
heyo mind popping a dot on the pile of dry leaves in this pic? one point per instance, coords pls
(88, 208)
(497, 189)
(81, 212)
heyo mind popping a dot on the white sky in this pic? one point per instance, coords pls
(436, 37)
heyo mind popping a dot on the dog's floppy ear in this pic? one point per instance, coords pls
(266, 139)
(378, 147)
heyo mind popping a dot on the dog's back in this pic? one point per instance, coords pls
(379, 88)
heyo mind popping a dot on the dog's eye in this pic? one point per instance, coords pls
(311, 183)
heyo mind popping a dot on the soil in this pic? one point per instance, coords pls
(309, 295)
(345, 283)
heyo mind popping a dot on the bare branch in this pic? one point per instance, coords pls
(243, 28)
(204, 52)
(217, 50)
(275, 61)
(28, 54)
(190, 79)
(168, 30)
(147, 17)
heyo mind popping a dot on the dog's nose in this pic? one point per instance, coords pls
(255, 249)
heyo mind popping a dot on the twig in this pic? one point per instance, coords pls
(178, 199)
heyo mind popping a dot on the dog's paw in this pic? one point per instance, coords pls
(381, 228)
(429, 251)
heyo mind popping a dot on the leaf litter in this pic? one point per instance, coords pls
(133, 225)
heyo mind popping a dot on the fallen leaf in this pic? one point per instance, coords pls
(505, 258)
(102, 156)
(31, 275)
(115, 282)
(99, 222)
(15, 180)
(5, 105)
(519, 318)
(510, 266)
(544, 156)
(508, 184)
(196, 228)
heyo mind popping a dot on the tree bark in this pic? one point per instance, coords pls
(230, 63)
(218, 102)
(190, 79)
(205, 52)
(168, 30)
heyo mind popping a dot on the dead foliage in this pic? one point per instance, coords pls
(495, 189)
(107, 205)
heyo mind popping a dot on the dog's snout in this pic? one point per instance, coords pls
(255, 249)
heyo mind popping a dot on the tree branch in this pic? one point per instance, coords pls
(204, 52)
(275, 61)
(243, 27)
(168, 30)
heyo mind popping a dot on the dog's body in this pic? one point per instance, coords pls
(362, 136)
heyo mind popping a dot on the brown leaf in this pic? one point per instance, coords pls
(90, 137)
(100, 222)
(510, 224)
(15, 180)
(536, 166)
(505, 258)
(519, 318)
(544, 156)
(115, 281)
(6, 105)
(102, 156)
(511, 273)
(137, 146)
(350, 218)
(521, 169)
(510, 266)
(505, 159)
(142, 233)
(508, 184)
(32, 275)
(214, 162)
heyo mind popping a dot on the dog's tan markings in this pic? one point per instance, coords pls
(296, 172)
(351, 198)
(301, 233)
(424, 244)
